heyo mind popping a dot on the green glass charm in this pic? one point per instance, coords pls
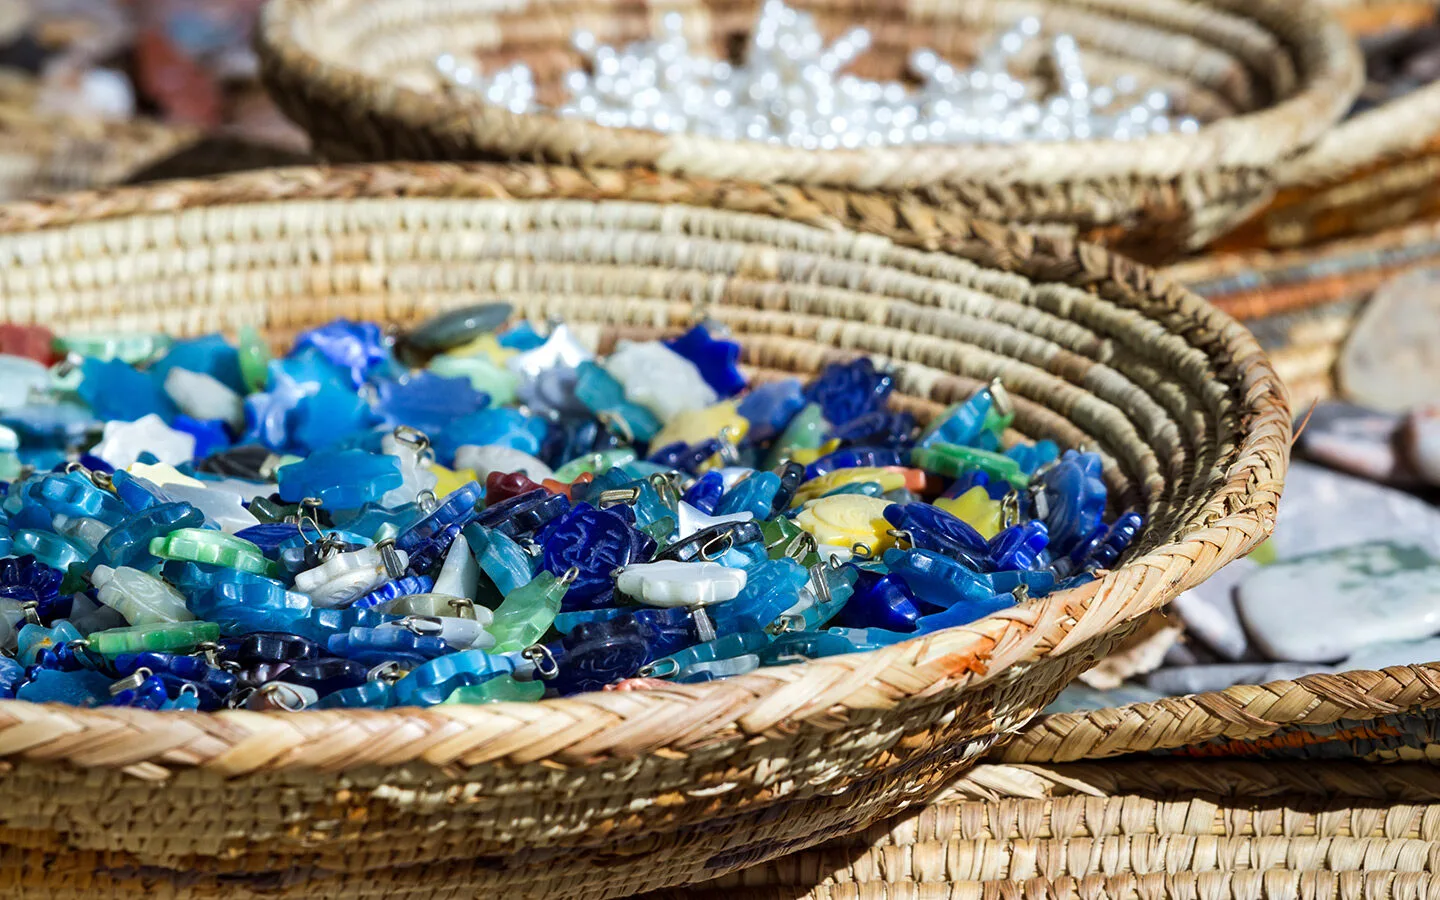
(130, 347)
(805, 432)
(528, 612)
(498, 690)
(952, 461)
(254, 360)
(166, 637)
(591, 463)
(213, 548)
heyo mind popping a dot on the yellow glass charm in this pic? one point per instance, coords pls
(977, 509)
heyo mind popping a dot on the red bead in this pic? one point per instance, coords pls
(33, 341)
(501, 486)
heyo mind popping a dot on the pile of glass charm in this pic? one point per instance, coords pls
(474, 511)
(790, 90)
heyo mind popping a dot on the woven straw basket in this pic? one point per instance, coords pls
(1302, 303)
(42, 154)
(1273, 75)
(1376, 170)
(1045, 818)
(606, 794)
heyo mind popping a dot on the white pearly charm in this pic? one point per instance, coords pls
(659, 379)
(495, 458)
(672, 583)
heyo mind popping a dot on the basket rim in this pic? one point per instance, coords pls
(1240, 713)
(1331, 75)
(825, 694)
(1373, 136)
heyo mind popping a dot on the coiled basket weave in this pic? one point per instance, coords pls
(607, 794)
(1269, 75)
(1254, 792)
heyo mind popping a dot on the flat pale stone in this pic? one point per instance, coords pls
(123, 442)
(495, 458)
(1325, 606)
(1393, 653)
(1391, 359)
(1204, 679)
(1208, 611)
(1324, 510)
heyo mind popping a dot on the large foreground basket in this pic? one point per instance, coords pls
(1257, 791)
(1270, 75)
(606, 794)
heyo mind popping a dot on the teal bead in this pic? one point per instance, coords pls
(209, 355)
(499, 557)
(342, 479)
(128, 544)
(437, 679)
(80, 688)
(604, 396)
(75, 495)
(371, 695)
(48, 547)
(755, 495)
(117, 390)
(728, 647)
(34, 638)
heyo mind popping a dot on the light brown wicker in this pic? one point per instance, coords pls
(1043, 817)
(1301, 303)
(1272, 74)
(44, 154)
(605, 794)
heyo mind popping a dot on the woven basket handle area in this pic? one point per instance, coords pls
(1370, 711)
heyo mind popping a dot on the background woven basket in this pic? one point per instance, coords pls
(1376, 170)
(1273, 74)
(606, 794)
(44, 154)
(1302, 303)
(1044, 817)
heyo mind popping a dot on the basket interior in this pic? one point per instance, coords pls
(1145, 383)
(1214, 61)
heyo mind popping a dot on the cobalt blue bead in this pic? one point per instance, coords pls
(881, 600)
(373, 646)
(151, 694)
(24, 579)
(716, 358)
(596, 654)
(963, 613)
(937, 580)
(269, 536)
(1116, 540)
(1037, 583)
(357, 348)
(846, 391)
(326, 675)
(267, 647)
(1075, 498)
(1020, 546)
(457, 509)
(340, 479)
(524, 514)
(12, 675)
(792, 475)
(211, 435)
(854, 457)
(400, 587)
(209, 355)
(932, 528)
(705, 493)
(1032, 456)
(770, 407)
(595, 542)
(427, 401)
(686, 457)
(882, 428)
(665, 631)
(429, 555)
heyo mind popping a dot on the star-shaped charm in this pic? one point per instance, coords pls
(561, 349)
(690, 520)
(715, 358)
(125, 441)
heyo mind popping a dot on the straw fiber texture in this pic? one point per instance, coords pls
(607, 794)
(1302, 303)
(1269, 76)
(42, 154)
(1133, 829)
